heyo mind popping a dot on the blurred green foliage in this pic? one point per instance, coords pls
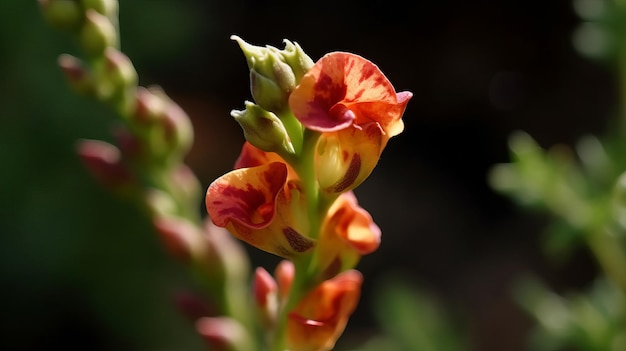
(413, 319)
(582, 189)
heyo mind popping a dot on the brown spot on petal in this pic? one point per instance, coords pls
(351, 174)
(297, 241)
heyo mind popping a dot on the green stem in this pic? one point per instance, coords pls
(610, 253)
(304, 165)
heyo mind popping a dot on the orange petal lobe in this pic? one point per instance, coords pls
(246, 195)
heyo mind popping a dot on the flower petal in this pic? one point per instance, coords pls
(387, 114)
(347, 233)
(246, 195)
(344, 159)
(320, 317)
(324, 99)
(251, 156)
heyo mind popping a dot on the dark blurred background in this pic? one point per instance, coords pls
(81, 269)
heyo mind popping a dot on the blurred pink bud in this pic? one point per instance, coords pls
(223, 334)
(264, 285)
(104, 162)
(177, 128)
(284, 273)
(128, 143)
(149, 106)
(192, 306)
(265, 290)
(181, 238)
(77, 76)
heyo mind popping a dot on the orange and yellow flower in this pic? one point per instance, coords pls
(262, 203)
(353, 104)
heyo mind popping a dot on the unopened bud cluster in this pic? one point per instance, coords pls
(274, 73)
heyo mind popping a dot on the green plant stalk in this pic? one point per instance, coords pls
(608, 250)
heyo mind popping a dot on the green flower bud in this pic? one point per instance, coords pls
(62, 14)
(119, 68)
(274, 73)
(104, 162)
(122, 76)
(267, 93)
(164, 126)
(295, 57)
(263, 129)
(97, 34)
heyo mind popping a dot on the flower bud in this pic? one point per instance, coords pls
(181, 238)
(263, 129)
(97, 33)
(265, 295)
(266, 92)
(128, 143)
(193, 306)
(62, 14)
(119, 68)
(295, 57)
(223, 334)
(177, 129)
(149, 107)
(104, 161)
(285, 272)
(77, 76)
(272, 78)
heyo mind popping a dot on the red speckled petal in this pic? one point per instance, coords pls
(251, 156)
(246, 195)
(324, 98)
(387, 114)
